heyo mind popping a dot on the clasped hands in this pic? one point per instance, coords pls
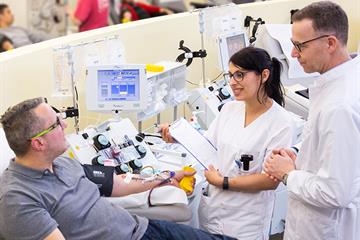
(280, 162)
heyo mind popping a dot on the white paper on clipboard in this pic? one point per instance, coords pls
(195, 143)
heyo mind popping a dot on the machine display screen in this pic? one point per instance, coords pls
(229, 44)
(235, 43)
(119, 85)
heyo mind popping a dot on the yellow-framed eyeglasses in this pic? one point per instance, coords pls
(49, 129)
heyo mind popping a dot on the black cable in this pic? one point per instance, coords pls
(76, 95)
(141, 136)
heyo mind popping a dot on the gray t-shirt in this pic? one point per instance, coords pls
(21, 36)
(33, 203)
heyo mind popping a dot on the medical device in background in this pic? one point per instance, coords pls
(116, 88)
(111, 143)
(229, 44)
(114, 143)
(164, 89)
(188, 54)
(209, 100)
(252, 32)
(125, 87)
(297, 100)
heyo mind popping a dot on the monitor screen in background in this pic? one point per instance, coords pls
(235, 43)
(118, 85)
(229, 44)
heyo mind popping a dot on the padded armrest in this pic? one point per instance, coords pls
(179, 213)
(169, 203)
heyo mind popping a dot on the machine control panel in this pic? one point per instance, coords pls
(112, 143)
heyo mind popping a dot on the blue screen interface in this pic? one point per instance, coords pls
(119, 85)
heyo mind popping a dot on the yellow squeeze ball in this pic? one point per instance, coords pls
(186, 182)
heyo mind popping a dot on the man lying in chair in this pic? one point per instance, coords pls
(46, 196)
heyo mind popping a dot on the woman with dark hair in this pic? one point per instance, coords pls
(240, 197)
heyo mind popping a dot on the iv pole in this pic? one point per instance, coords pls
(201, 29)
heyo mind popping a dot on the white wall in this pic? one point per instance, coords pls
(27, 72)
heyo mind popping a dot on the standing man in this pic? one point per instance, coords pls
(91, 14)
(323, 180)
(18, 35)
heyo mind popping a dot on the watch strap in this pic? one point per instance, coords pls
(226, 183)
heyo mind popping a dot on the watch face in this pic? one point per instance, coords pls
(102, 140)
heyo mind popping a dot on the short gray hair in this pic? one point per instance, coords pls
(327, 17)
(20, 123)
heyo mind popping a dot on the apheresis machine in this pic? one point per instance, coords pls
(116, 142)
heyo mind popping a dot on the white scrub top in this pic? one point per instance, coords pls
(239, 214)
(324, 193)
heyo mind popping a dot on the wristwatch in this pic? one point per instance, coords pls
(284, 179)
(226, 183)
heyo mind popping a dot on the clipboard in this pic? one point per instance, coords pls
(194, 142)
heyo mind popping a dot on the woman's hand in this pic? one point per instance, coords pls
(165, 134)
(213, 176)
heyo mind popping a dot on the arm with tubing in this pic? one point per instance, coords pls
(136, 184)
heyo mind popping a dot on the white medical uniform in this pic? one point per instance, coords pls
(324, 193)
(239, 214)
